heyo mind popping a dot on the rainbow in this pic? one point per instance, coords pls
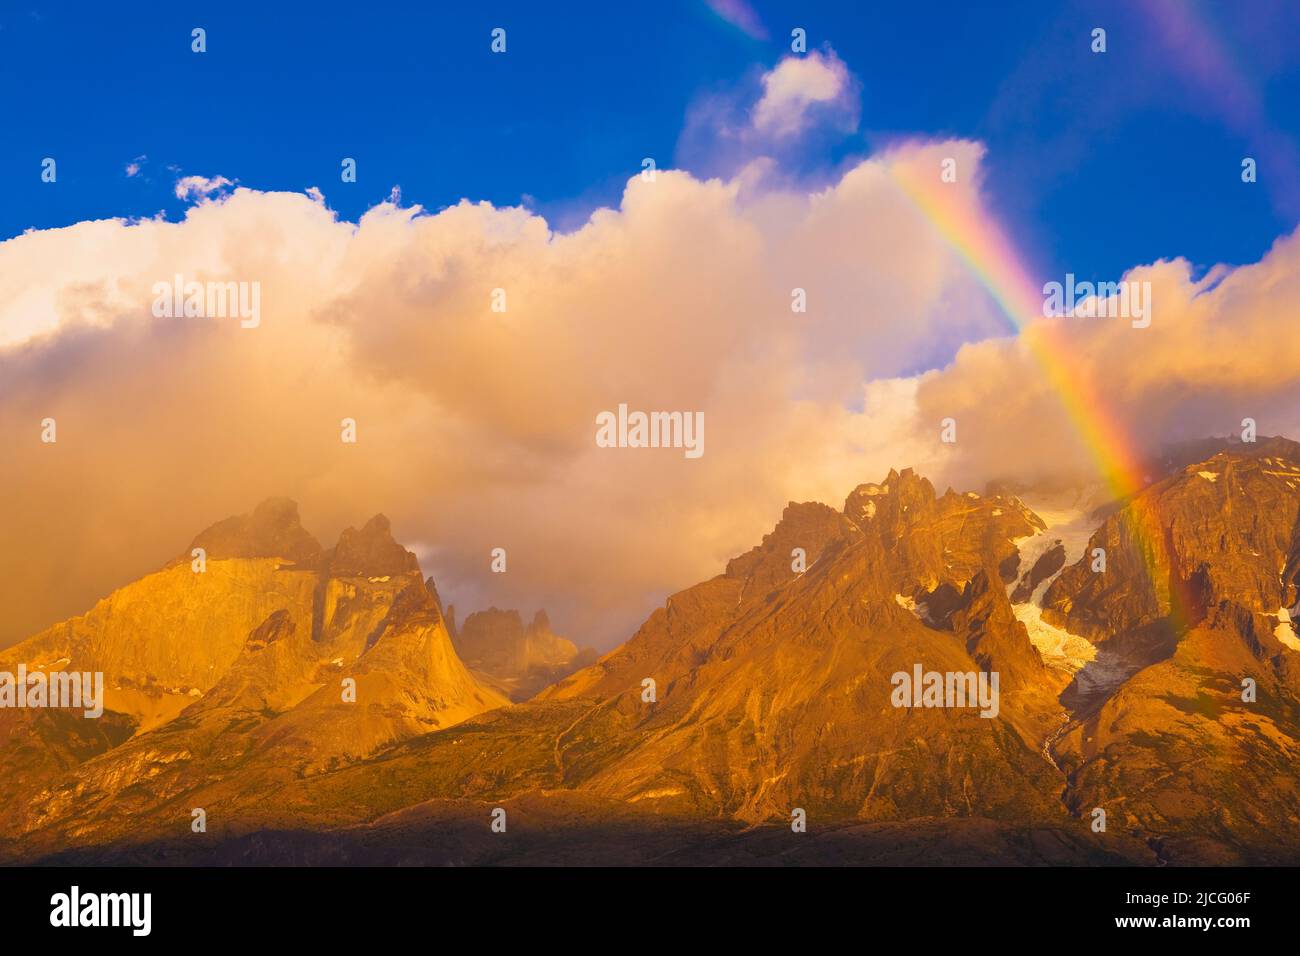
(983, 247)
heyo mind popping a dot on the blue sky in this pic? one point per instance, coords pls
(1096, 162)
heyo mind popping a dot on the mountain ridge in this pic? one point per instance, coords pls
(769, 689)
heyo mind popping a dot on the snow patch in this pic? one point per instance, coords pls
(1209, 475)
(1069, 524)
(41, 665)
(656, 793)
(922, 611)
(1285, 630)
(1057, 646)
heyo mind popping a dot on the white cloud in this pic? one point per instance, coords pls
(201, 187)
(794, 87)
(771, 122)
(476, 429)
(1219, 349)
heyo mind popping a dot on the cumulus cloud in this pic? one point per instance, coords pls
(201, 187)
(795, 86)
(476, 428)
(1219, 349)
(796, 108)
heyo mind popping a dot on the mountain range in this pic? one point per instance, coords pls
(322, 706)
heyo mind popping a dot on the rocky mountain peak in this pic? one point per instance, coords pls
(272, 530)
(516, 659)
(774, 680)
(370, 552)
(1220, 529)
(814, 528)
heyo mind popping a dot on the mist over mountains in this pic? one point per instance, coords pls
(322, 705)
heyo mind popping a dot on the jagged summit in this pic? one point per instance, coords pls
(1179, 455)
(246, 658)
(370, 552)
(516, 659)
(274, 530)
(1228, 530)
(271, 530)
(764, 688)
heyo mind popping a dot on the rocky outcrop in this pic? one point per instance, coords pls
(1048, 563)
(271, 530)
(772, 686)
(769, 687)
(1197, 743)
(938, 540)
(517, 659)
(275, 658)
(1219, 530)
(370, 552)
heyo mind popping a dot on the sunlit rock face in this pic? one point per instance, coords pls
(263, 650)
(306, 689)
